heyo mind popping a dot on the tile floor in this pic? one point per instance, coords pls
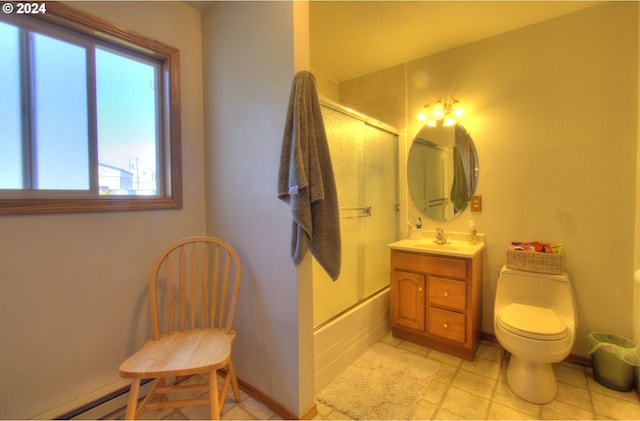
(474, 390)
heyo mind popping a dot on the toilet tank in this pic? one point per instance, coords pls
(537, 289)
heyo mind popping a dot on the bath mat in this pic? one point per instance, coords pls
(384, 383)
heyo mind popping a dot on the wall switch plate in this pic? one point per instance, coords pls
(476, 203)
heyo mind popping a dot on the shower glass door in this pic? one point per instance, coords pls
(365, 160)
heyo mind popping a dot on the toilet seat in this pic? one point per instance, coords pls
(532, 322)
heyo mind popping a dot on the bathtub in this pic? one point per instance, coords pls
(339, 341)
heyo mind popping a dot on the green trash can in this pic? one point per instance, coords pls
(614, 360)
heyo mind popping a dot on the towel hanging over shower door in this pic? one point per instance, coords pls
(306, 181)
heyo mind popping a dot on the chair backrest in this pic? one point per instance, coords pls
(194, 284)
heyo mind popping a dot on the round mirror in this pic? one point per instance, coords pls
(442, 171)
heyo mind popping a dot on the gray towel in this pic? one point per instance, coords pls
(459, 190)
(305, 179)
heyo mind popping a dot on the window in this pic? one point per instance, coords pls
(89, 115)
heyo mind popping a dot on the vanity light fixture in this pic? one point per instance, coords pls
(446, 112)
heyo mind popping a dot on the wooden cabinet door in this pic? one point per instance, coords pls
(408, 300)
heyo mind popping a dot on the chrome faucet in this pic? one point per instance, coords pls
(440, 238)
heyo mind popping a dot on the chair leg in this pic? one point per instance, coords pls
(132, 404)
(161, 382)
(213, 395)
(234, 382)
(223, 390)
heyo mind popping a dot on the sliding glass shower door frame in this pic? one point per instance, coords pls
(364, 155)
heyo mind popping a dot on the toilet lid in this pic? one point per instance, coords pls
(532, 322)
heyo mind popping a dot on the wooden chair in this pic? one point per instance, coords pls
(193, 293)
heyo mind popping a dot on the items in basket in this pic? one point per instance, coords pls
(536, 246)
(535, 257)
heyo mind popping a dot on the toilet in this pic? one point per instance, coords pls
(534, 320)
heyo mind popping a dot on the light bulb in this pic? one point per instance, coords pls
(422, 114)
(438, 109)
(449, 121)
(457, 110)
(448, 112)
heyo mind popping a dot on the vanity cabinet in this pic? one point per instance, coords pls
(436, 300)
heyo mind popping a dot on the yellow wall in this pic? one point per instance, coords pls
(553, 111)
(381, 95)
(327, 87)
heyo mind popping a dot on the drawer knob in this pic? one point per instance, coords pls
(446, 293)
(420, 289)
(445, 325)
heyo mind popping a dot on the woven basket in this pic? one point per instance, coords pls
(532, 261)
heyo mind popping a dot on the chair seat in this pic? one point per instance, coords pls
(180, 353)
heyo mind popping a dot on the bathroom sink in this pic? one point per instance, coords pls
(453, 248)
(432, 245)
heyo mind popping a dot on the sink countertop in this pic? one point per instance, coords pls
(456, 247)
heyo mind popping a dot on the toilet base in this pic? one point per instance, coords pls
(532, 381)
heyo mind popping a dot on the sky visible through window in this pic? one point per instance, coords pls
(126, 106)
(126, 99)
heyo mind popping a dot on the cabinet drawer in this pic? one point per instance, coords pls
(448, 293)
(427, 263)
(447, 324)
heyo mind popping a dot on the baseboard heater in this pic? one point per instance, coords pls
(97, 405)
(106, 401)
